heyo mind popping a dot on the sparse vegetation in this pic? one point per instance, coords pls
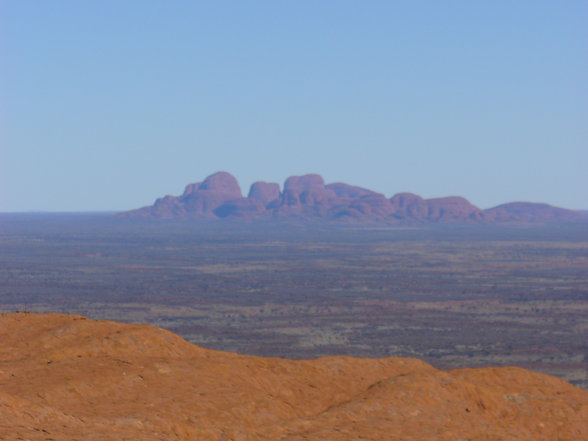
(453, 296)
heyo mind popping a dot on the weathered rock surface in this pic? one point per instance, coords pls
(70, 378)
(308, 198)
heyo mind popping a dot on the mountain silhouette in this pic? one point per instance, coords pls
(309, 198)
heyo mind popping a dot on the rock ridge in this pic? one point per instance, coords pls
(308, 198)
(68, 377)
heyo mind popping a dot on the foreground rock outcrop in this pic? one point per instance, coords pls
(71, 378)
(309, 198)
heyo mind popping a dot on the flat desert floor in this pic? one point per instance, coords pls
(453, 296)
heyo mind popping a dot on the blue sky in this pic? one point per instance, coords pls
(107, 105)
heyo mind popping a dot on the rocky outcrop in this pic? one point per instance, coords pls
(264, 192)
(214, 191)
(308, 198)
(191, 188)
(304, 196)
(453, 208)
(369, 207)
(70, 378)
(531, 212)
(409, 206)
(254, 206)
(199, 200)
(347, 191)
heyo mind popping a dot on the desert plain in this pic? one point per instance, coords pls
(391, 307)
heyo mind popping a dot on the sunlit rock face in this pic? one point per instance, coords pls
(66, 377)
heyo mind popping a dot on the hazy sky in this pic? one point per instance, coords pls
(106, 105)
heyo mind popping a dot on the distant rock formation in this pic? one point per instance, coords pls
(308, 198)
(264, 192)
(530, 212)
(70, 378)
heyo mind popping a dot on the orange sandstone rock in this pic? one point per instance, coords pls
(70, 378)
